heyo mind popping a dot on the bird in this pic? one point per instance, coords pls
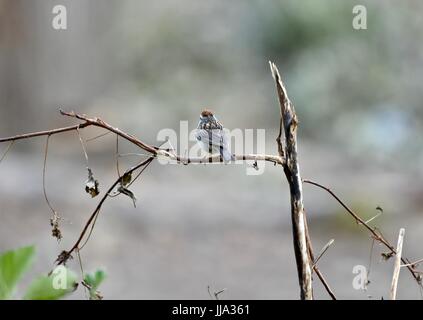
(211, 136)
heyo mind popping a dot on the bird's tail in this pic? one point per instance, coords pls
(226, 155)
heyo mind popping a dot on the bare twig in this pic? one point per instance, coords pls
(64, 256)
(375, 216)
(397, 265)
(54, 220)
(376, 235)
(322, 252)
(83, 146)
(412, 264)
(82, 273)
(120, 155)
(208, 290)
(315, 268)
(117, 156)
(98, 136)
(7, 150)
(369, 269)
(144, 166)
(292, 173)
(154, 151)
(215, 293)
(44, 133)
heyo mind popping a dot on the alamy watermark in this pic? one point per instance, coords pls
(60, 278)
(239, 142)
(60, 18)
(359, 21)
(361, 280)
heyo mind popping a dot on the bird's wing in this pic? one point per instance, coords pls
(211, 137)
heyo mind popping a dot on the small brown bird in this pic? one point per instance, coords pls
(211, 137)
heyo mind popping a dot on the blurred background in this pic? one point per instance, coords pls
(144, 66)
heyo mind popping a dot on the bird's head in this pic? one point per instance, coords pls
(206, 113)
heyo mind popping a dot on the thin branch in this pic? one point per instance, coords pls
(117, 156)
(100, 123)
(98, 136)
(138, 174)
(315, 268)
(82, 272)
(154, 151)
(412, 264)
(397, 265)
(144, 166)
(377, 236)
(44, 176)
(64, 256)
(54, 220)
(45, 133)
(369, 269)
(375, 216)
(215, 293)
(83, 146)
(322, 252)
(120, 155)
(7, 150)
(97, 212)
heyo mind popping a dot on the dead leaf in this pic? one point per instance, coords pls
(128, 193)
(91, 185)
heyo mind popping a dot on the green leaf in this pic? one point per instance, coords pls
(61, 282)
(13, 265)
(93, 281)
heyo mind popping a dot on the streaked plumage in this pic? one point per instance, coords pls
(211, 136)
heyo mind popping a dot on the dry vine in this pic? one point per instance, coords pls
(287, 158)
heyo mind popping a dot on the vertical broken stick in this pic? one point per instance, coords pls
(288, 126)
(397, 265)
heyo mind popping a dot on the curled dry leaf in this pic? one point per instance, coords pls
(91, 185)
(387, 255)
(128, 193)
(63, 257)
(54, 222)
(126, 178)
(94, 294)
